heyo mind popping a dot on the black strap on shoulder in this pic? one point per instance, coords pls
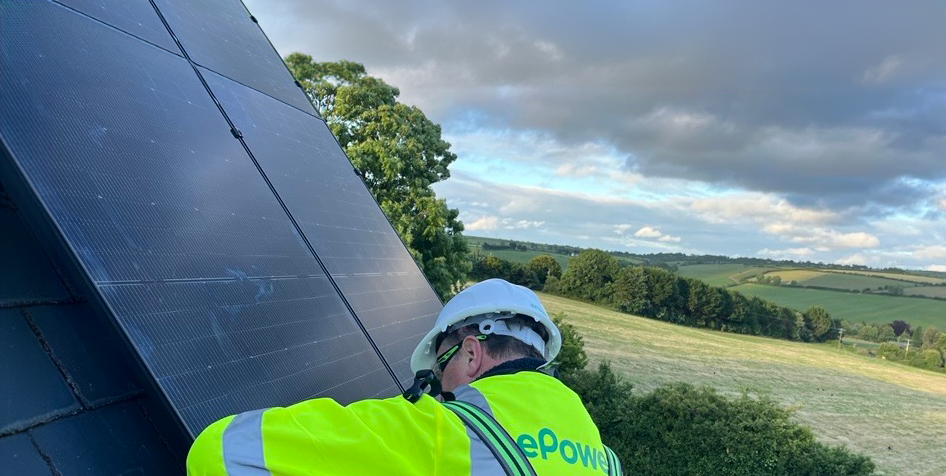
(494, 436)
(503, 447)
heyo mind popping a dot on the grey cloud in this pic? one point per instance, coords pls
(823, 73)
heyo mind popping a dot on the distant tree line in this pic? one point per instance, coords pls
(681, 429)
(597, 277)
(918, 347)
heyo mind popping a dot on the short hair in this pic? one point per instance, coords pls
(500, 346)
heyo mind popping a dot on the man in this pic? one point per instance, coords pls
(488, 348)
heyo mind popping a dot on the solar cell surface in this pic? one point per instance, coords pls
(172, 222)
(335, 210)
(137, 17)
(220, 35)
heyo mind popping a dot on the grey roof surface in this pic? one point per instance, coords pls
(75, 405)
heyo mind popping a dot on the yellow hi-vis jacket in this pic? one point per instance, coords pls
(395, 437)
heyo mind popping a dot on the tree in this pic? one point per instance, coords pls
(868, 332)
(544, 266)
(399, 153)
(899, 327)
(818, 321)
(589, 274)
(930, 335)
(572, 358)
(631, 292)
(885, 334)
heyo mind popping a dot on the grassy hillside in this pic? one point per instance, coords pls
(719, 274)
(893, 413)
(854, 307)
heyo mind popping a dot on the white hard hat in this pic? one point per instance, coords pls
(487, 303)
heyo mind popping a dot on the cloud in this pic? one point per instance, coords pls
(719, 118)
(788, 253)
(483, 223)
(854, 259)
(521, 224)
(937, 267)
(757, 208)
(932, 252)
(890, 67)
(622, 228)
(650, 232)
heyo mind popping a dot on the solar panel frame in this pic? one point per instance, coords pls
(98, 275)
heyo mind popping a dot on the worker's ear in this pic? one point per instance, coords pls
(472, 352)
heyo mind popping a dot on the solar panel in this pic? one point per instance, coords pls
(334, 209)
(171, 221)
(137, 17)
(221, 35)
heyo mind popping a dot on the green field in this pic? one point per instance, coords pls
(932, 291)
(867, 404)
(854, 307)
(827, 279)
(903, 277)
(719, 274)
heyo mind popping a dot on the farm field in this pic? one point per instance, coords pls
(721, 275)
(854, 307)
(902, 277)
(932, 291)
(828, 279)
(893, 413)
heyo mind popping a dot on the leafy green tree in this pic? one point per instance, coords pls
(544, 266)
(869, 332)
(930, 359)
(399, 153)
(818, 321)
(665, 293)
(631, 293)
(703, 303)
(930, 334)
(572, 358)
(886, 333)
(589, 275)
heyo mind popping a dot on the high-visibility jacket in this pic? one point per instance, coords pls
(395, 437)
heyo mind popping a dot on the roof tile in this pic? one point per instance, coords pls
(19, 456)
(90, 352)
(116, 439)
(33, 389)
(25, 273)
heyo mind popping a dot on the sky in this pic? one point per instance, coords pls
(812, 131)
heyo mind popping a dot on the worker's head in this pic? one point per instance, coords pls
(483, 326)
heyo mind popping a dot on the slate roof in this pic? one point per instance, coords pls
(71, 400)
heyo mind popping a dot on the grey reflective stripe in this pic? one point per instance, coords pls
(482, 460)
(614, 464)
(243, 445)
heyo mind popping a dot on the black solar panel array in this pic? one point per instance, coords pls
(225, 233)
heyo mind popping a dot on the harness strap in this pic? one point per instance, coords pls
(510, 456)
(494, 436)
